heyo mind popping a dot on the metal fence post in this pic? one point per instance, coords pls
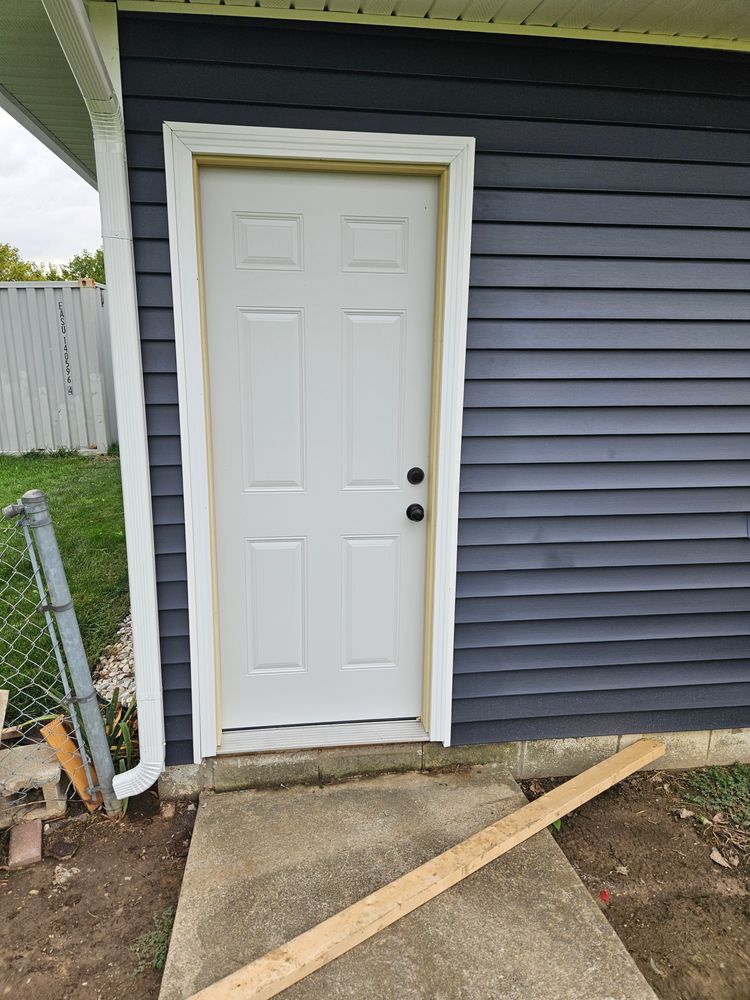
(36, 510)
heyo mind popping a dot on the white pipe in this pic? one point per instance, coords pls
(74, 32)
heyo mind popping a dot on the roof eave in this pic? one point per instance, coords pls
(24, 117)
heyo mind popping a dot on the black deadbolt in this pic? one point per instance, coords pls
(415, 475)
(415, 512)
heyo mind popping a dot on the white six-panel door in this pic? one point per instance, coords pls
(319, 291)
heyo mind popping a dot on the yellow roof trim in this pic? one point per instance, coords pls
(394, 21)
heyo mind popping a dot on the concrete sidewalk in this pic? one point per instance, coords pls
(266, 865)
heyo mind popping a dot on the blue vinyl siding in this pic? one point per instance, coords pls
(603, 537)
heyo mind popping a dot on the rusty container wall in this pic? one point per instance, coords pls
(56, 386)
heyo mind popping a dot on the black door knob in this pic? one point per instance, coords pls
(415, 475)
(415, 512)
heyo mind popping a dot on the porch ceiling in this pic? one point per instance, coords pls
(721, 24)
(37, 87)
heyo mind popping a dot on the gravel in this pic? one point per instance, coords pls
(115, 667)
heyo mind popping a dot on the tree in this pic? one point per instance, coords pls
(14, 268)
(83, 265)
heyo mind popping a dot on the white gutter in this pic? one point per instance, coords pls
(74, 32)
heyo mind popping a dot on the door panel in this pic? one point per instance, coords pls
(372, 424)
(275, 582)
(319, 292)
(272, 398)
(370, 576)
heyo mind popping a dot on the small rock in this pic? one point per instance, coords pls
(62, 850)
(115, 669)
(181, 850)
(685, 813)
(62, 876)
(167, 810)
(657, 970)
(621, 870)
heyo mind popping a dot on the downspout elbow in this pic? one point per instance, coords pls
(138, 779)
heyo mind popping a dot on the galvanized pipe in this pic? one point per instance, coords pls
(59, 660)
(37, 514)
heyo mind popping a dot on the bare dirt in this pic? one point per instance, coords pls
(684, 918)
(66, 926)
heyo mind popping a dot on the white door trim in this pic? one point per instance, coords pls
(184, 142)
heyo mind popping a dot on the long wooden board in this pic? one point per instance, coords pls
(270, 975)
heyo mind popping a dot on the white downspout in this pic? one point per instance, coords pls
(74, 32)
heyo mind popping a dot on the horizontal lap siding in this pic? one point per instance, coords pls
(603, 536)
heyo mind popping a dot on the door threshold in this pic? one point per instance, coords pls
(334, 734)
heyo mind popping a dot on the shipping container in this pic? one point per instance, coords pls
(55, 367)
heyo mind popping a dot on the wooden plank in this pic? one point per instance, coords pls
(3, 707)
(270, 975)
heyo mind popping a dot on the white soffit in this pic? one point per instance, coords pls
(37, 87)
(719, 24)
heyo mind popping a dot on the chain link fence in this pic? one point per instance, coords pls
(52, 737)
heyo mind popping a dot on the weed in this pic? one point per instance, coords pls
(61, 452)
(151, 948)
(119, 723)
(722, 790)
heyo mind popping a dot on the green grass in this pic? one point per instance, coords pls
(722, 789)
(86, 503)
(151, 948)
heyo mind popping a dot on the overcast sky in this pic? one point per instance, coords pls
(46, 209)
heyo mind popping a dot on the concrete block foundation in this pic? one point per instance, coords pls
(523, 759)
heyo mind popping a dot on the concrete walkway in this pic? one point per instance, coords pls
(266, 865)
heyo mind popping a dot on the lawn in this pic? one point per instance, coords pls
(86, 504)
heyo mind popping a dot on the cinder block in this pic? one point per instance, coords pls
(561, 758)
(30, 767)
(436, 756)
(265, 770)
(729, 746)
(343, 762)
(25, 844)
(184, 781)
(684, 750)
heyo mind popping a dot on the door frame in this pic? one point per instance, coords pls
(187, 147)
